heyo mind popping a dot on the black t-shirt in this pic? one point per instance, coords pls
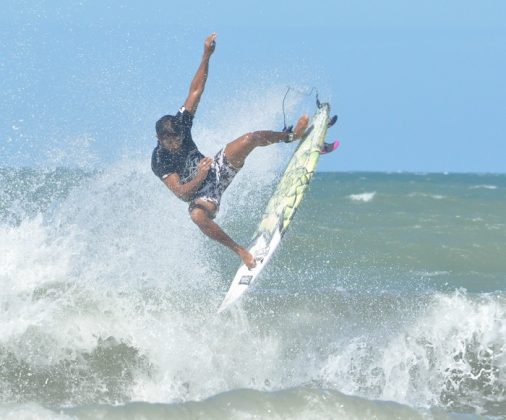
(183, 162)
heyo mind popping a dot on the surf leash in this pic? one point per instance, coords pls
(289, 129)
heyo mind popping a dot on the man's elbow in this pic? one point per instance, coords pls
(197, 90)
(178, 192)
(183, 195)
(195, 93)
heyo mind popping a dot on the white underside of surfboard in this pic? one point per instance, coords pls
(262, 251)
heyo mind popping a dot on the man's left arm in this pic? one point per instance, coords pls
(199, 80)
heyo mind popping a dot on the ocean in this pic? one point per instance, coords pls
(385, 300)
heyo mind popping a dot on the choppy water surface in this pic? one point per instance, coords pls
(386, 298)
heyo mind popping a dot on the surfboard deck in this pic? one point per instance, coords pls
(284, 202)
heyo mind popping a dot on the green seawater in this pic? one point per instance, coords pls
(449, 230)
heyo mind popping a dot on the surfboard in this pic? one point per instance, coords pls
(284, 202)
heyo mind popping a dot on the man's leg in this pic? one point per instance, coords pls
(238, 150)
(236, 153)
(201, 216)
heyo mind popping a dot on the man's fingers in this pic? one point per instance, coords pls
(211, 42)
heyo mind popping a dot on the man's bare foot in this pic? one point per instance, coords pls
(301, 126)
(247, 258)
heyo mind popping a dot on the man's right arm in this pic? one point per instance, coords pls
(187, 190)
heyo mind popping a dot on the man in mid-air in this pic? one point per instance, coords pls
(201, 180)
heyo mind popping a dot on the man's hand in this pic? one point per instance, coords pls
(203, 167)
(210, 43)
(186, 191)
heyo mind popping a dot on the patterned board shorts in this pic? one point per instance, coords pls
(218, 179)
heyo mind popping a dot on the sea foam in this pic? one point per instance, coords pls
(363, 197)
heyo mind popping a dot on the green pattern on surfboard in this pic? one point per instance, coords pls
(295, 180)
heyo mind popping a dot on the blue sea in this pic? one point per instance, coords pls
(385, 300)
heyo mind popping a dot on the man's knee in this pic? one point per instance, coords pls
(199, 216)
(248, 140)
(202, 214)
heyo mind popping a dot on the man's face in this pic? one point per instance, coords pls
(171, 142)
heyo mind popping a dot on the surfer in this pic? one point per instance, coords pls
(201, 180)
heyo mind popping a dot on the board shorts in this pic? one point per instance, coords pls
(218, 179)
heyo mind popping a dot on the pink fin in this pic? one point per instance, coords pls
(330, 147)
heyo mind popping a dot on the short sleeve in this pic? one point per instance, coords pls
(186, 117)
(161, 164)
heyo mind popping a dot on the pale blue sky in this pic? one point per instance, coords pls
(418, 86)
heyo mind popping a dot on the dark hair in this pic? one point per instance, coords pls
(168, 125)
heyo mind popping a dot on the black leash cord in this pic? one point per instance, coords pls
(285, 128)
